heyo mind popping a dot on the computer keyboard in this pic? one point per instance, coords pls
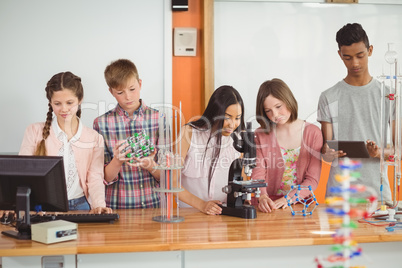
(78, 218)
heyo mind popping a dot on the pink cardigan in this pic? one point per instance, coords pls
(88, 152)
(270, 165)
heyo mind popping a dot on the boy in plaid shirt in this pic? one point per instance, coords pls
(129, 184)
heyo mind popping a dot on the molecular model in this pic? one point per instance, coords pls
(139, 145)
(345, 249)
(309, 203)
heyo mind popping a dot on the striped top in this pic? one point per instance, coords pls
(133, 187)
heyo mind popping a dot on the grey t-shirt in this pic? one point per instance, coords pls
(355, 114)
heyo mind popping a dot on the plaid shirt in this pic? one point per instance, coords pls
(133, 187)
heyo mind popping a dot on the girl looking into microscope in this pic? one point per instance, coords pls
(288, 148)
(207, 150)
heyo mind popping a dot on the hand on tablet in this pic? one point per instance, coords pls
(372, 148)
(329, 154)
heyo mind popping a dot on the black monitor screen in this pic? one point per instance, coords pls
(44, 175)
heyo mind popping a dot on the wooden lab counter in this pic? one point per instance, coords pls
(204, 239)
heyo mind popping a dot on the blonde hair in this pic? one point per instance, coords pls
(58, 82)
(119, 72)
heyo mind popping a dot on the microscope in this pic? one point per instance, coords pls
(238, 190)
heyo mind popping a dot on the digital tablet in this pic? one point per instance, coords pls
(353, 149)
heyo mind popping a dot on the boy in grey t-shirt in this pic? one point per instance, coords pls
(351, 110)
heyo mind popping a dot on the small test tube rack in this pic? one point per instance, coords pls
(391, 93)
(170, 164)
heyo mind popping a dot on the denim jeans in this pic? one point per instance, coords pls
(80, 203)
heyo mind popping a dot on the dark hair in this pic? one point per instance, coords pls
(352, 33)
(58, 82)
(279, 90)
(119, 72)
(213, 119)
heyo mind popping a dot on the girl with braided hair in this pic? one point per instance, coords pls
(63, 134)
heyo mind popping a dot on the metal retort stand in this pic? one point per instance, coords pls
(170, 165)
(391, 92)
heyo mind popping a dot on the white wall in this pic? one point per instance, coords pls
(44, 37)
(257, 41)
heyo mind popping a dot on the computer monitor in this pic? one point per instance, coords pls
(31, 182)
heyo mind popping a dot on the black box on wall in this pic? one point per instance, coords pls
(179, 5)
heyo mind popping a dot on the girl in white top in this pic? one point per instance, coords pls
(63, 134)
(207, 148)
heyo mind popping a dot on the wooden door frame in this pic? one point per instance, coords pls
(208, 43)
